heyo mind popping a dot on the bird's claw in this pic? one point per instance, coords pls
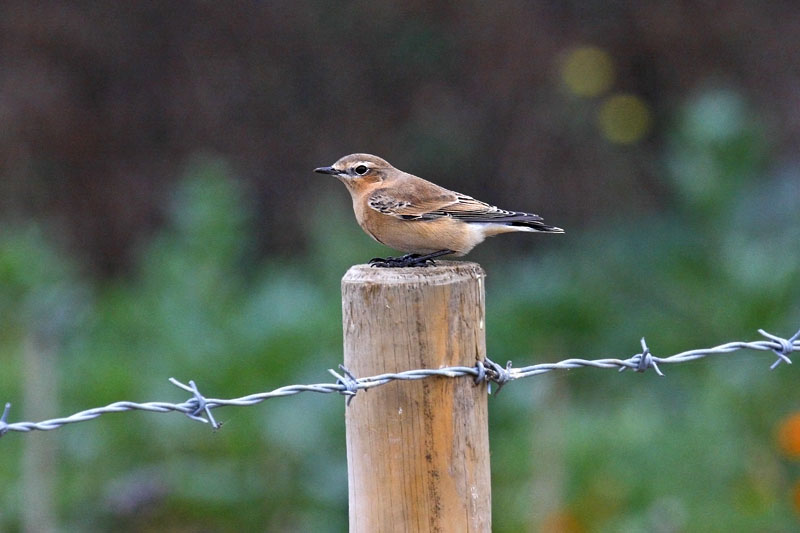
(408, 260)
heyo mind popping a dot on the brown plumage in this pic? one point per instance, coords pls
(416, 216)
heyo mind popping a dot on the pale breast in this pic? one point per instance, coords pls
(422, 236)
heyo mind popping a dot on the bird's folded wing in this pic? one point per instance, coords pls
(471, 210)
(408, 206)
(441, 203)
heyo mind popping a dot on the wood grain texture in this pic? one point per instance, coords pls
(417, 451)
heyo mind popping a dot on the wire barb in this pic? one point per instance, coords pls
(199, 403)
(642, 361)
(348, 382)
(498, 374)
(784, 348)
(198, 407)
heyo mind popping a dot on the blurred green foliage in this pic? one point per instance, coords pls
(693, 451)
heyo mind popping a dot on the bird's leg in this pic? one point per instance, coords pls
(408, 260)
(425, 260)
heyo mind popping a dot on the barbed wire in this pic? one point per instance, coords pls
(198, 407)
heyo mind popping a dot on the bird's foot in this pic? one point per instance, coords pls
(408, 260)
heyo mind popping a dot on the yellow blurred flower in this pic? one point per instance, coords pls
(588, 71)
(625, 118)
(789, 435)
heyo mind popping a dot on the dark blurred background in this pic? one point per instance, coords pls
(159, 217)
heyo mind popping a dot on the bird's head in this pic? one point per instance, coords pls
(356, 170)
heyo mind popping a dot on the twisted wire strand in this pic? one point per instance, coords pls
(198, 407)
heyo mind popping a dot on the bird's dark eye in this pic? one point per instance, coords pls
(361, 170)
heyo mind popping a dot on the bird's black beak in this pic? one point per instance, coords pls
(327, 170)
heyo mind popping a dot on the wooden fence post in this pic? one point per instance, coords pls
(417, 451)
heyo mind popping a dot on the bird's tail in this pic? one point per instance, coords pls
(535, 225)
(519, 221)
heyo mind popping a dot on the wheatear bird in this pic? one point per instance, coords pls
(421, 218)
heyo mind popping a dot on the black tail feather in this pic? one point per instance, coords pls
(526, 220)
